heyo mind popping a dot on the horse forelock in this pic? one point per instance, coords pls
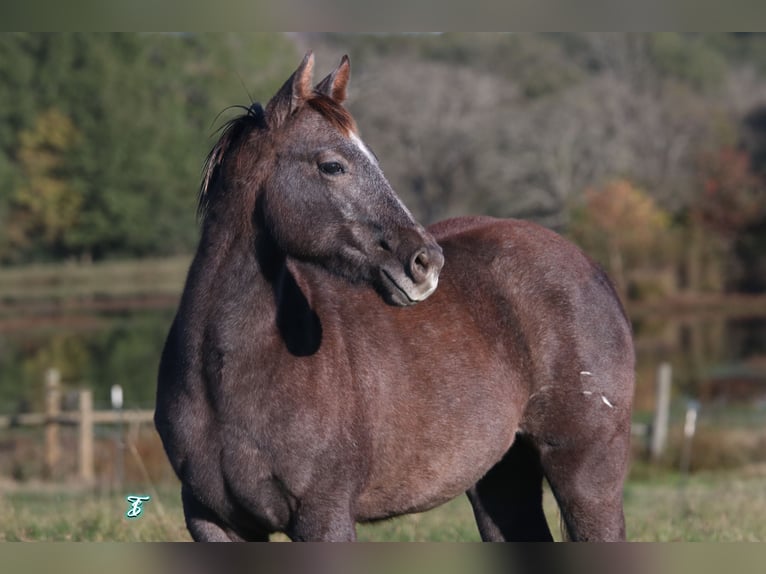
(332, 111)
(232, 133)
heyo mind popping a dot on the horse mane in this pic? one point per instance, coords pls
(254, 117)
(231, 133)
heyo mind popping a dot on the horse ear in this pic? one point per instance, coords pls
(334, 85)
(292, 94)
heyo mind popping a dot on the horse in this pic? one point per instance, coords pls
(334, 362)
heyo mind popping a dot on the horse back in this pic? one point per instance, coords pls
(559, 316)
(549, 300)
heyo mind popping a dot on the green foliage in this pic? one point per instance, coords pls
(128, 354)
(687, 59)
(134, 112)
(740, 47)
(123, 349)
(537, 64)
(44, 207)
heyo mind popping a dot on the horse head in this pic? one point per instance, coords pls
(318, 191)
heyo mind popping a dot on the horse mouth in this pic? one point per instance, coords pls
(401, 296)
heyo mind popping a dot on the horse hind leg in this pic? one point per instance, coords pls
(585, 460)
(587, 482)
(508, 501)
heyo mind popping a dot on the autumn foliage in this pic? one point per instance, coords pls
(622, 226)
(733, 197)
(45, 206)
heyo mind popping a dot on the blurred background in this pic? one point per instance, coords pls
(647, 150)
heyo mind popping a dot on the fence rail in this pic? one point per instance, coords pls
(73, 418)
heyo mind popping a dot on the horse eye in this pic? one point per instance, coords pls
(331, 168)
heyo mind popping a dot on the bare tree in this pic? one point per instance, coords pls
(457, 140)
(434, 126)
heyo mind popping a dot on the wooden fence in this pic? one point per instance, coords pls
(84, 418)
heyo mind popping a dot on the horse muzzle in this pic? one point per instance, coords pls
(412, 279)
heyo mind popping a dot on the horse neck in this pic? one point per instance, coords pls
(230, 258)
(282, 274)
(239, 259)
(271, 287)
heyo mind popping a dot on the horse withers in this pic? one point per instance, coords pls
(333, 362)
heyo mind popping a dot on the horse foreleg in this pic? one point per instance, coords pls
(318, 522)
(204, 525)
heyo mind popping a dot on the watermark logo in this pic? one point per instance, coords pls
(136, 501)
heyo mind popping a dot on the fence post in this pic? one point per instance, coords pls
(662, 411)
(85, 429)
(52, 410)
(690, 425)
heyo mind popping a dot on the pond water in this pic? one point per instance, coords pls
(707, 351)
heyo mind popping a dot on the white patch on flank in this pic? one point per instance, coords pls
(586, 373)
(587, 393)
(606, 402)
(364, 149)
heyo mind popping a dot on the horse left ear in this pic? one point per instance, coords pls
(295, 91)
(334, 85)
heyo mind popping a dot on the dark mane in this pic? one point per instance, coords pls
(233, 132)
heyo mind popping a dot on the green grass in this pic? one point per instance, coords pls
(707, 507)
(711, 507)
(93, 517)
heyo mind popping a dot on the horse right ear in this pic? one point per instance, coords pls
(334, 85)
(295, 91)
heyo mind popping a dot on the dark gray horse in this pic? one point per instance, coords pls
(315, 376)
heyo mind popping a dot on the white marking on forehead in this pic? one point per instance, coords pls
(364, 149)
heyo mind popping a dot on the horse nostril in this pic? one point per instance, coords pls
(422, 260)
(419, 265)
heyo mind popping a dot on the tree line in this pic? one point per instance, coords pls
(647, 149)
(102, 136)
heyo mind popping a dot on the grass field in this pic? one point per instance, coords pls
(706, 507)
